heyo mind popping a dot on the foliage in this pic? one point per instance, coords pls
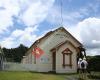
(15, 54)
(94, 63)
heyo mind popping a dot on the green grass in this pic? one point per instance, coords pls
(28, 76)
(16, 75)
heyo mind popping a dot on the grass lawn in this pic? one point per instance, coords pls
(28, 76)
(7, 75)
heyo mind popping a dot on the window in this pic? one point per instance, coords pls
(67, 58)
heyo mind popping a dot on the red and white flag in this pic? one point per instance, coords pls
(37, 52)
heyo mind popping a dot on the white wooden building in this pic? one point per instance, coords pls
(60, 52)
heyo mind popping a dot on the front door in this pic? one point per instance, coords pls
(54, 61)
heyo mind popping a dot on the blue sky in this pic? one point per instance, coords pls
(24, 21)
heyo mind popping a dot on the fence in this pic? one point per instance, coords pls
(10, 66)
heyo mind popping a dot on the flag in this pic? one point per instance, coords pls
(37, 52)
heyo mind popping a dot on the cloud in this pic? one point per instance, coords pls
(30, 12)
(7, 42)
(36, 12)
(26, 37)
(72, 16)
(10, 8)
(87, 31)
(93, 52)
(69, 17)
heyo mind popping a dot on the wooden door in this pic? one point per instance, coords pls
(54, 61)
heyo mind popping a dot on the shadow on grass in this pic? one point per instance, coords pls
(94, 77)
(54, 73)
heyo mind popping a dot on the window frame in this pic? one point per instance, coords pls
(67, 52)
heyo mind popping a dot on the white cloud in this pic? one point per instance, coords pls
(36, 12)
(75, 31)
(10, 8)
(72, 17)
(7, 42)
(93, 52)
(30, 12)
(69, 17)
(95, 42)
(17, 33)
(26, 37)
(90, 29)
(87, 31)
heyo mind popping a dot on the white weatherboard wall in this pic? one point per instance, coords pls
(44, 63)
(47, 45)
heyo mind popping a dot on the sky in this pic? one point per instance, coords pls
(24, 21)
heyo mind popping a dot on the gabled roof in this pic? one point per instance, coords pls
(50, 33)
(60, 44)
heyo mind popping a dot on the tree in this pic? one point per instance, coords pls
(1, 58)
(15, 54)
(94, 63)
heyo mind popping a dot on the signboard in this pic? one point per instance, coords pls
(37, 52)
